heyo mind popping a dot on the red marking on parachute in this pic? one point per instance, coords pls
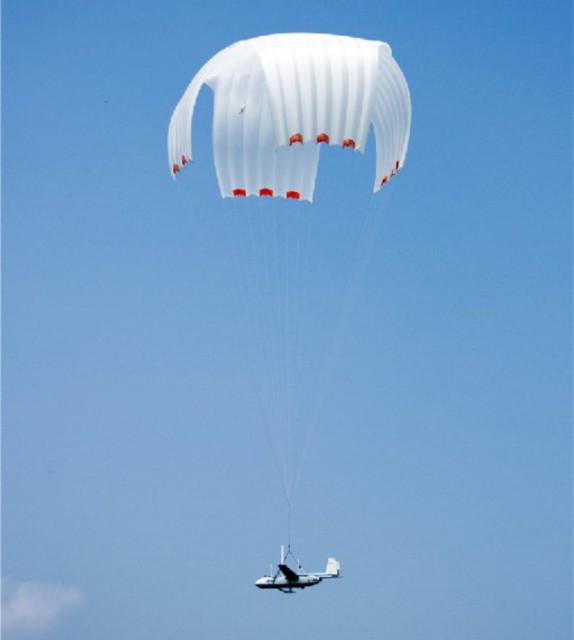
(266, 192)
(384, 180)
(397, 165)
(323, 137)
(296, 137)
(239, 192)
(175, 168)
(293, 194)
(348, 142)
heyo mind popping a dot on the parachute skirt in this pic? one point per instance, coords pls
(277, 98)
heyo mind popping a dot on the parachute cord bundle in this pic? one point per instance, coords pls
(363, 253)
(276, 264)
(269, 258)
(288, 524)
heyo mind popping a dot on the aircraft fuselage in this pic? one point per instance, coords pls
(283, 583)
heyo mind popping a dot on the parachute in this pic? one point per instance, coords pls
(279, 98)
(278, 101)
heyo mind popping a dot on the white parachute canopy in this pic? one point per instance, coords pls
(278, 97)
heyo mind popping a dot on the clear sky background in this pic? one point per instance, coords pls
(140, 497)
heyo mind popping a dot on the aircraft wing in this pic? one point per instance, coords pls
(288, 573)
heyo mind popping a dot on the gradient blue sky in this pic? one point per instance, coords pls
(139, 495)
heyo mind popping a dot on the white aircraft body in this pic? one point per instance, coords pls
(286, 579)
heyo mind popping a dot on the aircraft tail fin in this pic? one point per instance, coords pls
(333, 569)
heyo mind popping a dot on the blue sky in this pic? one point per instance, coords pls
(140, 497)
